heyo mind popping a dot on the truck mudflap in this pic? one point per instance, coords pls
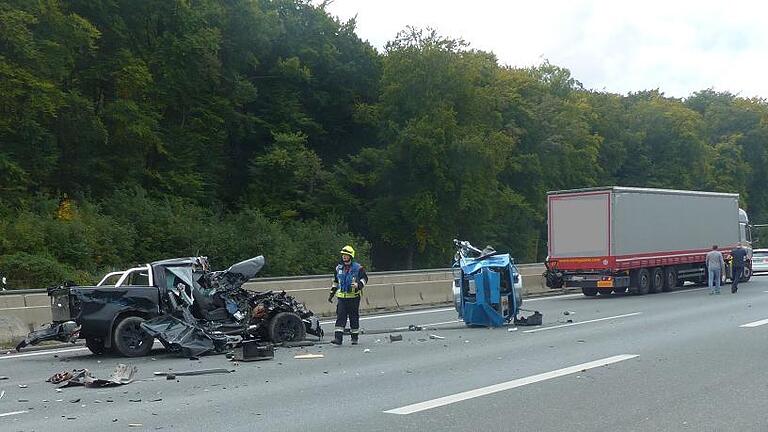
(67, 331)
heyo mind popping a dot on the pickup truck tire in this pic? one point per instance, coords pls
(129, 339)
(286, 327)
(96, 345)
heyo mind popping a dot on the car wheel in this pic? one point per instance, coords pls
(96, 345)
(286, 327)
(129, 339)
(589, 292)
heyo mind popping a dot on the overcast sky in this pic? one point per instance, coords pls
(677, 46)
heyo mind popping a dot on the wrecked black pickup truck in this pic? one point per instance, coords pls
(181, 302)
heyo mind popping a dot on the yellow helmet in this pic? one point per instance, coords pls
(348, 250)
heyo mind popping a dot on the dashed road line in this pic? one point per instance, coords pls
(582, 322)
(483, 391)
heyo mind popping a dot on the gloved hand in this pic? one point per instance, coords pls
(330, 298)
(354, 286)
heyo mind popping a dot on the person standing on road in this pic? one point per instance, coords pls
(738, 258)
(348, 282)
(715, 267)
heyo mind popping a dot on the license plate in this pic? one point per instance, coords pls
(605, 284)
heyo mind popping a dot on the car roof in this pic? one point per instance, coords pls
(175, 262)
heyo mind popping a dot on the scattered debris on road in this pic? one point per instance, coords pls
(2, 393)
(254, 351)
(512, 329)
(367, 350)
(395, 338)
(3, 377)
(122, 375)
(534, 319)
(308, 356)
(434, 336)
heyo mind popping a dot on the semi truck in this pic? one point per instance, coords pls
(622, 239)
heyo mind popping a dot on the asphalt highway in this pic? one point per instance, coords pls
(682, 360)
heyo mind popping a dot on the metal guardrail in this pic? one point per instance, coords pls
(293, 278)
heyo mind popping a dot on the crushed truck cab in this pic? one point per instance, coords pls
(487, 286)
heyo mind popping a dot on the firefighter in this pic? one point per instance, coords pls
(348, 282)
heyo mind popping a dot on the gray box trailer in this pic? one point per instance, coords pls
(611, 239)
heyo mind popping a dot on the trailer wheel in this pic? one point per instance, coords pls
(657, 280)
(130, 340)
(589, 292)
(640, 281)
(670, 278)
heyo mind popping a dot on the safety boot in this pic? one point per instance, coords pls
(337, 338)
(354, 338)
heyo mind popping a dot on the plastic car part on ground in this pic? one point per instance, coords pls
(122, 375)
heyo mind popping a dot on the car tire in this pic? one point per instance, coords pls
(589, 292)
(129, 339)
(286, 327)
(96, 345)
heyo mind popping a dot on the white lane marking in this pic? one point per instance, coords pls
(552, 297)
(583, 322)
(13, 356)
(392, 315)
(440, 323)
(483, 391)
(687, 290)
(755, 324)
(419, 312)
(12, 413)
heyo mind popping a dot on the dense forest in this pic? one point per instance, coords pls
(135, 130)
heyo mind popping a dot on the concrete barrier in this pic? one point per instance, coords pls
(31, 300)
(315, 299)
(11, 301)
(33, 317)
(423, 293)
(378, 297)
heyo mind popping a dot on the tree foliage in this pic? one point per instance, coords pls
(134, 130)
